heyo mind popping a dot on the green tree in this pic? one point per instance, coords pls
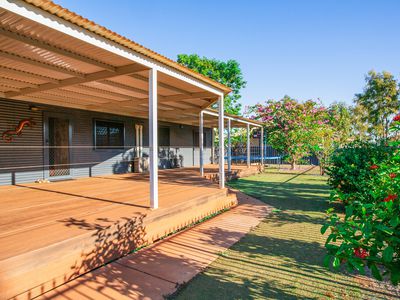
(381, 100)
(360, 129)
(227, 73)
(341, 121)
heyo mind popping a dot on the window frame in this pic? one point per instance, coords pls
(108, 147)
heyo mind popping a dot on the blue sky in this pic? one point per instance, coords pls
(305, 49)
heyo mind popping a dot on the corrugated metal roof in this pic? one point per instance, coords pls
(61, 12)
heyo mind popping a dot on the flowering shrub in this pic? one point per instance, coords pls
(289, 125)
(366, 177)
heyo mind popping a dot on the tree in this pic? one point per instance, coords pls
(381, 100)
(323, 138)
(359, 126)
(341, 120)
(288, 125)
(227, 73)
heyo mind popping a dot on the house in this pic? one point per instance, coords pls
(78, 101)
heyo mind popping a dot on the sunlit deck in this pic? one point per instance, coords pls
(53, 232)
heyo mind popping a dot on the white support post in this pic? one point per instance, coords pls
(212, 145)
(229, 147)
(248, 145)
(153, 139)
(141, 141)
(262, 148)
(137, 140)
(221, 160)
(201, 139)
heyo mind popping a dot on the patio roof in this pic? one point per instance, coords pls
(211, 119)
(47, 65)
(50, 55)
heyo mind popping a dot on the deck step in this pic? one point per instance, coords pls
(235, 174)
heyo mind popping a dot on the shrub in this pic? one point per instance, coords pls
(366, 178)
(350, 167)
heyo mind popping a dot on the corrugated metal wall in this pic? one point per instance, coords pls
(23, 159)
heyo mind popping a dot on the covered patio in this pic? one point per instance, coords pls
(55, 61)
(51, 56)
(53, 232)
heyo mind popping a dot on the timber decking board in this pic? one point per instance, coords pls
(53, 232)
(37, 208)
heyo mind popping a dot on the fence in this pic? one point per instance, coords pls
(271, 156)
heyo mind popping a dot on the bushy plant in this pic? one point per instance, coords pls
(366, 177)
(350, 167)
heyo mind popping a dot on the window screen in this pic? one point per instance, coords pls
(109, 134)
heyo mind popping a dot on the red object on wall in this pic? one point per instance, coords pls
(8, 134)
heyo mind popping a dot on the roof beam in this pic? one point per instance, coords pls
(124, 87)
(161, 84)
(43, 45)
(41, 64)
(28, 74)
(12, 82)
(103, 92)
(128, 69)
(186, 96)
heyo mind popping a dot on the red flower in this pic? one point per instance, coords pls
(392, 175)
(397, 118)
(361, 253)
(373, 167)
(390, 198)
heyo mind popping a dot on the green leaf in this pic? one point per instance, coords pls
(388, 254)
(327, 260)
(349, 211)
(384, 229)
(324, 228)
(336, 263)
(375, 272)
(395, 276)
(394, 221)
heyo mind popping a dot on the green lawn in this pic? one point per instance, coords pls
(282, 257)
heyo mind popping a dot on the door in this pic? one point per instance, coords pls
(58, 139)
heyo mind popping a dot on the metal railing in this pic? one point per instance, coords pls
(25, 163)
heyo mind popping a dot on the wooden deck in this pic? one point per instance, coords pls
(51, 233)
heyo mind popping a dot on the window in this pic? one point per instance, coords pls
(196, 139)
(163, 136)
(109, 134)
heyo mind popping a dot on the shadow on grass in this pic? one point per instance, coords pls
(289, 195)
(283, 257)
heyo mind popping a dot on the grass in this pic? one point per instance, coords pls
(282, 257)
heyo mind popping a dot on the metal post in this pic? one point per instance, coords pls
(201, 139)
(212, 145)
(221, 161)
(141, 141)
(137, 140)
(262, 148)
(229, 147)
(153, 139)
(248, 145)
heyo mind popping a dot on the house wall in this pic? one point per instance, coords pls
(24, 159)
